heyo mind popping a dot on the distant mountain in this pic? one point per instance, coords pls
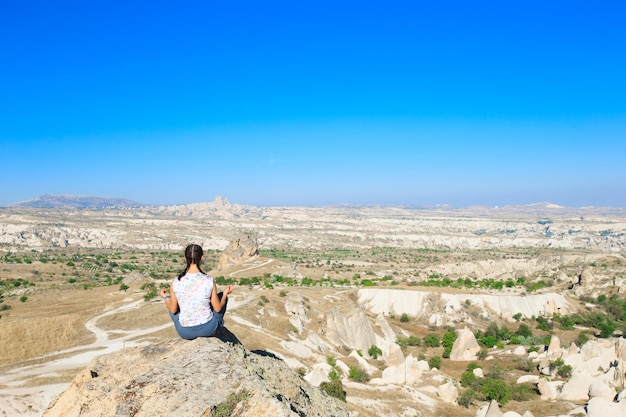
(76, 201)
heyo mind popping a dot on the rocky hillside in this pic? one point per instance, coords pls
(204, 377)
(215, 224)
(76, 201)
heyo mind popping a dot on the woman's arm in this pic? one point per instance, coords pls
(170, 299)
(216, 303)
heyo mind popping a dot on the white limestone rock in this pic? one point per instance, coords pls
(577, 388)
(448, 392)
(465, 347)
(600, 407)
(599, 389)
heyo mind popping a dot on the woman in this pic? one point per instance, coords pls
(195, 307)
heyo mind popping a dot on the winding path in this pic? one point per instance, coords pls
(32, 401)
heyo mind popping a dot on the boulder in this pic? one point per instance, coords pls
(448, 392)
(547, 389)
(465, 347)
(554, 346)
(599, 389)
(528, 379)
(493, 410)
(520, 351)
(316, 377)
(600, 407)
(577, 388)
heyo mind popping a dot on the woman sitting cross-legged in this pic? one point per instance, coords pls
(194, 305)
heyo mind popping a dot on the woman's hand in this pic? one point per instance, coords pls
(228, 290)
(163, 292)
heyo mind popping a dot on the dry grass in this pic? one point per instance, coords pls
(51, 321)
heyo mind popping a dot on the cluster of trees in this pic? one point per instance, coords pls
(492, 387)
(435, 280)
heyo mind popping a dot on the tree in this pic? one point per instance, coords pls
(432, 340)
(434, 362)
(448, 341)
(374, 351)
(495, 389)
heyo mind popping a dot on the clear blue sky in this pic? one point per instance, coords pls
(315, 103)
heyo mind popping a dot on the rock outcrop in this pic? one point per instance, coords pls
(465, 347)
(192, 378)
(238, 251)
(597, 372)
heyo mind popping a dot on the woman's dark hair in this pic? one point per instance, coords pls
(193, 255)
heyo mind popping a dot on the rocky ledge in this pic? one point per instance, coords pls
(204, 377)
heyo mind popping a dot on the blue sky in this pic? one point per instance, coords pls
(315, 103)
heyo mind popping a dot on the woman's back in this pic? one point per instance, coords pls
(193, 292)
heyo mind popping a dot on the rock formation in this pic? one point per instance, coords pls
(465, 347)
(238, 251)
(192, 378)
(597, 372)
(352, 330)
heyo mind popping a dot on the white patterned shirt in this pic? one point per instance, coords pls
(193, 292)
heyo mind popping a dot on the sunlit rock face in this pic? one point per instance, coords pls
(191, 378)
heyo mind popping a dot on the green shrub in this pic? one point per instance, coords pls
(23, 298)
(151, 291)
(564, 371)
(483, 353)
(334, 388)
(404, 318)
(582, 338)
(358, 374)
(374, 351)
(495, 389)
(447, 341)
(467, 397)
(606, 329)
(330, 359)
(522, 392)
(333, 374)
(524, 330)
(432, 340)
(488, 341)
(434, 362)
(227, 408)
(496, 372)
(468, 379)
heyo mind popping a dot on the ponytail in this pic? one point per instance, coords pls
(193, 255)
